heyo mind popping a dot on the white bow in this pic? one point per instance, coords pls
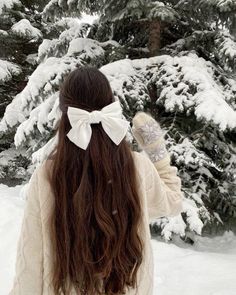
(110, 117)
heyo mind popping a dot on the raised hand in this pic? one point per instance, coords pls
(149, 136)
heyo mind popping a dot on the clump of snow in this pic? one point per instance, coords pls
(121, 67)
(7, 70)
(45, 47)
(3, 33)
(24, 28)
(32, 58)
(87, 18)
(176, 224)
(7, 4)
(88, 48)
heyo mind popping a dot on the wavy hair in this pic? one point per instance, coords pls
(95, 220)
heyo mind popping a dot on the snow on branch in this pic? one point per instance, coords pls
(23, 28)
(7, 4)
(37, 97)
(43, 82)
(226, 50)
(58, 47)
(186, 84)
(7, 70)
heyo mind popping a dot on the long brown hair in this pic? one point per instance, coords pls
(95, 221)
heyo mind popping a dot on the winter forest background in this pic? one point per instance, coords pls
(175, 59)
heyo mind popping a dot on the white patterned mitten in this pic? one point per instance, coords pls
(149, 135)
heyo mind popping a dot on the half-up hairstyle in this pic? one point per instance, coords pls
(95, 220)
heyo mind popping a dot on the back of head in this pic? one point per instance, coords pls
(97, 211)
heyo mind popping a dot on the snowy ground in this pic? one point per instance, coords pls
(208, 268)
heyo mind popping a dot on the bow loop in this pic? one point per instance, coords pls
(95, 117)
(110, 117)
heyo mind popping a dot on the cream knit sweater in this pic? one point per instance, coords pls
(160, 192)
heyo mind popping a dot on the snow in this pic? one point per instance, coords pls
(45, 47)
(7, 4)
(58, 47)
(226, 50)
(3, 33)
(32, 58)
(24, 28)
(40, 116)
(78, 29)
(90, 19)
(44, 80)
(74, 21)
(206, 268)
(210, 102)
(40, 83)
(43, 152)
(226, 5)
(186, 153)
(88, 48)
(7, 70)
(121, 67)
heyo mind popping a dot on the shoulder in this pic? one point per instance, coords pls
(41, 171)
(143, 164)
(142, 159)
(138, 155)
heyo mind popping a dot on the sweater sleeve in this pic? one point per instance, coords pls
(163, 189)
(29, 258)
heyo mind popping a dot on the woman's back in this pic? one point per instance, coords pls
(86, 222)
(35, 251)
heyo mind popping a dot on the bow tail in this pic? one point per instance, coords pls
(116, 129)
(80, 135)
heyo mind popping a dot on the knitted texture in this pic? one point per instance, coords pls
(150, 137)
(160, 195)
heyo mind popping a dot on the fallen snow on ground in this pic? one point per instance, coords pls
(207, 268)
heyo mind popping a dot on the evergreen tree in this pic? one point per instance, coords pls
(20, 36)
(175, 59)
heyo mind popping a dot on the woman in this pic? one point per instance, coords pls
(86, 223)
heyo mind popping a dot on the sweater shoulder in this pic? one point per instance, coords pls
(142, 165)
(142, 160)
(43, 170)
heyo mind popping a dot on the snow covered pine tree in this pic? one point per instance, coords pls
(175, 59)
(20, 37)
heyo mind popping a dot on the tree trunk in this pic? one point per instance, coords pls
(233, 27)
(154, 42)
